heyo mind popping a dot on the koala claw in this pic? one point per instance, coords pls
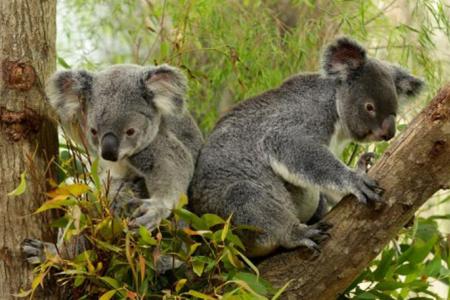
(149, 214)
(366, 189)
(35, 251)
(364, 161)
(310, 244)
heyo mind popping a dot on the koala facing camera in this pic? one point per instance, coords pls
(134, 120)
(270, 160)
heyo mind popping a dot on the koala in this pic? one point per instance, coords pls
(134, 119)
(271, 158)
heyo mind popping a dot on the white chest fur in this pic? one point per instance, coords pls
(119, 169)
(339, 140)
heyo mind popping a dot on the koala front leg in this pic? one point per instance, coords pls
(302, 162)
(167, 167)
(165, 187)
(153, 210)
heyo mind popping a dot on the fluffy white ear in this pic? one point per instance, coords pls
(66, 91)
(343, 58)
(406, 84)
(168, 86)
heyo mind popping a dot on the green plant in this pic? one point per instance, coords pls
(122, 263)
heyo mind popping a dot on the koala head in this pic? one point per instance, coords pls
(119, 110)
(367, 90)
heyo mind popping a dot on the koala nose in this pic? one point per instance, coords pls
(110, 147)
(387, 131)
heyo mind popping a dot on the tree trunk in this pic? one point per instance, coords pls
(28, 140)
(413, 168)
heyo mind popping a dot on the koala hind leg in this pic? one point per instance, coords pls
(36, 251)
(252, 205)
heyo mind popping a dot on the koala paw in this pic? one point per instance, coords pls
(125, 207)
(366, 189)
(364, 162)
(149, 214)
(167, 262)
(310, 236)
(35, 251)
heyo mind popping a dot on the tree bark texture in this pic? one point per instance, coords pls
(28, 140)
(413, 168)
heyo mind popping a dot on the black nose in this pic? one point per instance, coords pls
(388, 128)
(110, 147)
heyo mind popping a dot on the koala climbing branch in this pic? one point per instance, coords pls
(413, 168)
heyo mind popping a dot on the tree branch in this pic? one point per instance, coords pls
(413, 168)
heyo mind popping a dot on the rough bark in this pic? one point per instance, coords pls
(27, 138)
(413, 168)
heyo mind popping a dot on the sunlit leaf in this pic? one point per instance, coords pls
(226, 227)
(111, 281)
(20, 189)
(57, 202)
(146, 236)
(198, 267)
(180, 284)
(199, 295)
(212, 220)
(108, 295)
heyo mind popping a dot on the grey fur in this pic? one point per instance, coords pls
(149, 167)
(271, 157)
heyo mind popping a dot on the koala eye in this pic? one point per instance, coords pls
(370, 108)
(130, 131)
(93, 132)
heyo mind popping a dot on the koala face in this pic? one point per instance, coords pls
(119, 109)
(367, 90)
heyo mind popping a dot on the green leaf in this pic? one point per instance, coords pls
(198, 266)
(108, 295)
(20, 189)
(419, 250)
(199, 295)
(248, 262)
(146, 237)
(212, 220)
(366, 296)
(106, 246)
(191, 218)
(63, 63)
(389, 285)
(256, 283)
(56, 203)
(226, 227)
(384, 264)
(433, 268)
(94, 174)
(180, 284)
(407, 269)
(110, 281)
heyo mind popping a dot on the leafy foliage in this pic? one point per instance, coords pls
(407, 268)
(121, 263)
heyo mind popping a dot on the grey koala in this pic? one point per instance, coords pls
(135, 120)
(272, 157)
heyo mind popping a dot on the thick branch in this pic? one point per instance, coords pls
(413, 168)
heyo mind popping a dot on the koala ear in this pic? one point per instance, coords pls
(66, 91)
(343, 58)
(168, 85)
(406, 84)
